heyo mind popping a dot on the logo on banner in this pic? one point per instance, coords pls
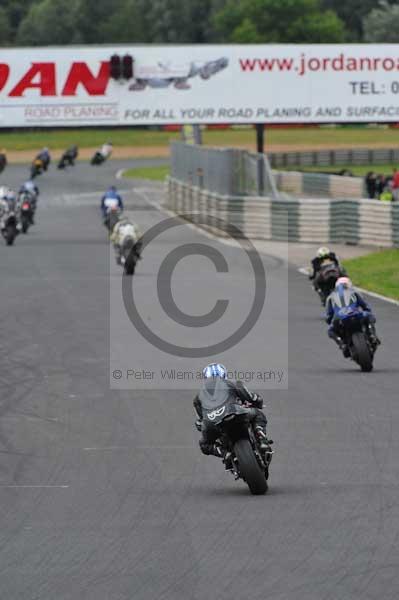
(42, 76)
(164, 75)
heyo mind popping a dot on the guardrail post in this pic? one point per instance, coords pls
(261, 175)
(200, 175)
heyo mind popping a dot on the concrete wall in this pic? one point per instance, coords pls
(344, 220)
(322, 185)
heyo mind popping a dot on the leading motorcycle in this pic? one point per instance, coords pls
(37, 168)
(68, 158)
(98, 158)
(239, 447)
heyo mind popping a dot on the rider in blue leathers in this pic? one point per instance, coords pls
(30, 187)
(344, 297)
(110, 194)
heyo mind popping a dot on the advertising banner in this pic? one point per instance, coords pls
(71, 86)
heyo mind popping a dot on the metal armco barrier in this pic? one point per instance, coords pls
(227, 171)
(395, 225)
(339, 157)
(345, 220)
(235, 172)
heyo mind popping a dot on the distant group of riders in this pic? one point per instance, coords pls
(17, 208)
(42, 161)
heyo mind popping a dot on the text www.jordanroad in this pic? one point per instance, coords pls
(306, 64)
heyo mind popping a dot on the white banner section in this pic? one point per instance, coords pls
(200, 84)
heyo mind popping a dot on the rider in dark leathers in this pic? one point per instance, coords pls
(209, 432)
(322, 255)
(69, 157)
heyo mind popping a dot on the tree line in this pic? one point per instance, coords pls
(53, 22)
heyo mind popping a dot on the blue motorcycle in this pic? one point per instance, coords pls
(358, 334)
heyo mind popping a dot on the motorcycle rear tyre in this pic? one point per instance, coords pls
(130, 265)
(25, 224)
(362, 353)
(10, 235)
(249, 468)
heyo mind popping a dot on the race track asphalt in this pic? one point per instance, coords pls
(104, 494)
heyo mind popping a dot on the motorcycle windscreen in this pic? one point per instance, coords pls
(350, 313)
(214, 393)
(345, 298)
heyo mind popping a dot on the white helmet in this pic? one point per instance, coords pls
(215, 370)
(323, 252)
(344, 281)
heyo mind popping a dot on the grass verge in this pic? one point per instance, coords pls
(154, 173)
(357, 170)
(376, 272)
(311, 136)
(84, 138)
